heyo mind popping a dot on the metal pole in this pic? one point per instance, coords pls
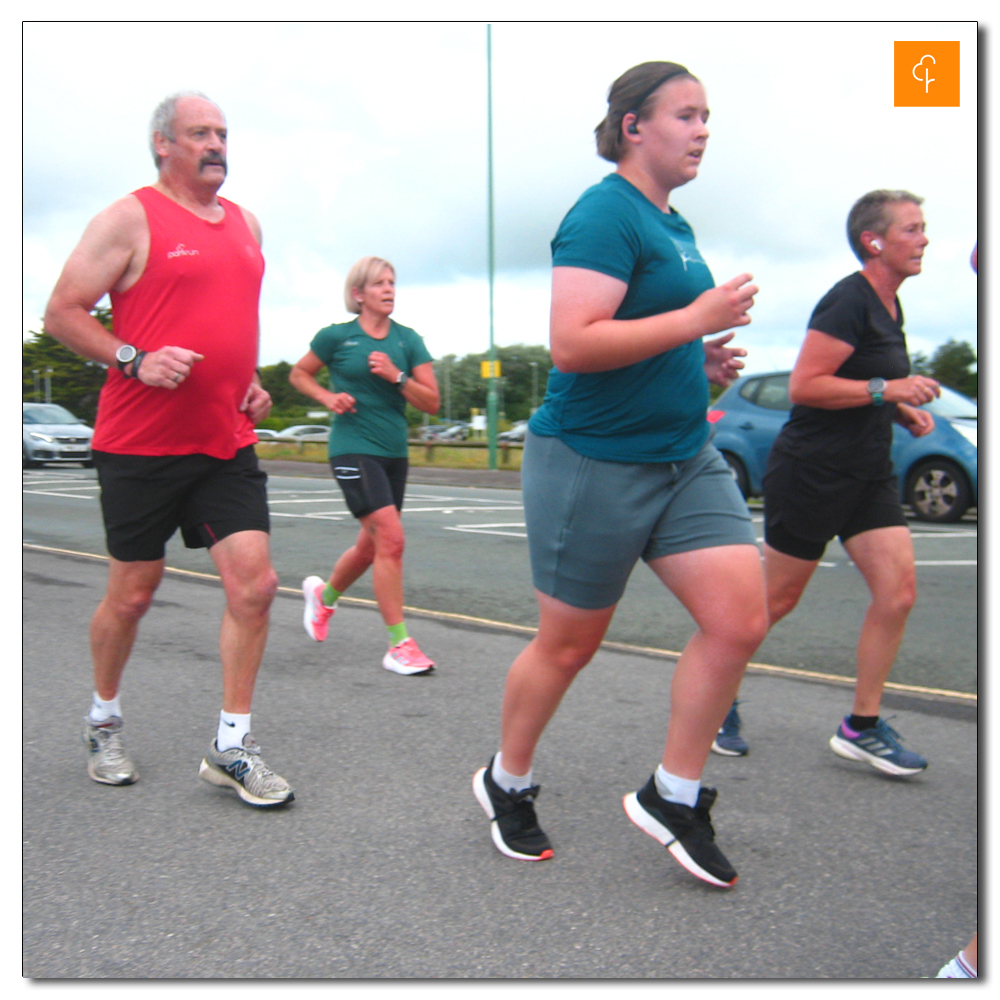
(48, 385)
(534, 387)
(447, 389)
(38, 389)
(491, 390)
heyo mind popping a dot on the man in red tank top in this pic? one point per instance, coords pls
(173, 441)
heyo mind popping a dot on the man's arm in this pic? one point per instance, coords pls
(111, 256)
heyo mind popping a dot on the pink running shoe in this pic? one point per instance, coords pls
(406, 658)
(317, 615)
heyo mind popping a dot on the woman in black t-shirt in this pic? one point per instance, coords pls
(830, 472)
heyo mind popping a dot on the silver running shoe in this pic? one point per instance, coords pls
(243, 770)
(109, 761)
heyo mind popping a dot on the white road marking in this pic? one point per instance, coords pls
(485, 531)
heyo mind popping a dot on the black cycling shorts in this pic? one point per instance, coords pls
(806, 505)
(146, 498)
(370, 482)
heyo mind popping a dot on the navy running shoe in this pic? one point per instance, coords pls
(685, 832)
(728, 741)
(878, 746)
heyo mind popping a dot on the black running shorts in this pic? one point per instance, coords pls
(370, 482)
(146, 498)
(807, 505)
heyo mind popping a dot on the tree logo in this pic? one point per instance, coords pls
(926, 75)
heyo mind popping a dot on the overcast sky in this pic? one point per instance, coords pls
(354, 139)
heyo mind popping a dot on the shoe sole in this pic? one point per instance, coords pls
(307, 618)
(397, 668)
(722, 751)
(649, 824)
(842, 748)
(131, 780)
(483, 798)
(216, 777)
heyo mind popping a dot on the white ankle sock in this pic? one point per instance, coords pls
(676, 789)
(232, 729)
(509, 782)
(101, 711)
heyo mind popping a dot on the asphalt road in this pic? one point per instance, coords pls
(383, 867)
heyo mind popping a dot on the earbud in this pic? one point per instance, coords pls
(876, 244)
(633, 128)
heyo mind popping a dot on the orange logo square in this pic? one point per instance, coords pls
(926, 75)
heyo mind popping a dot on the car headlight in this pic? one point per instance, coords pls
(48, 439)
(971, 434)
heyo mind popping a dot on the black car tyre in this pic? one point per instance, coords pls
(938, 491)
(739, 472)
(27, 463)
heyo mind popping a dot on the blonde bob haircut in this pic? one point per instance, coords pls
(365, 270)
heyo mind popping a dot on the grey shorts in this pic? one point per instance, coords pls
(589, 522)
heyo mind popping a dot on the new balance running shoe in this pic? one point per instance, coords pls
(878, 746)
(685, 832)
(243, 769)
(514, 826)
(406, 658)
(109, 762)
(316, 616)
(728, 741)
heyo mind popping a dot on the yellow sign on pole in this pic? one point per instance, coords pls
(485, 369)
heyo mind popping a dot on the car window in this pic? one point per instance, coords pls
(748, 389)
(47, 413)
(773, 394)
(952, 405)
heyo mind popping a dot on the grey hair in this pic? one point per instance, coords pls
(870, 214)
(163, 119)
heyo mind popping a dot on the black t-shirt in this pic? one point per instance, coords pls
(858, 439)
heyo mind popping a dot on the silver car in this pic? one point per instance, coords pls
(50, 433)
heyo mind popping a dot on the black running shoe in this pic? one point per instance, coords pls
(685, 832)
(515, 828)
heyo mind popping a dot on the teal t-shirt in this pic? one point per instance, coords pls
(653, 410)
(379, 426)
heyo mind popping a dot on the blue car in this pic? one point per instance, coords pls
(938, 473)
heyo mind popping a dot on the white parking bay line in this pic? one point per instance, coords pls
(947, 562)
(489, 529)
(455, 509)
(315, 515)
(316, 500)
(53, 493)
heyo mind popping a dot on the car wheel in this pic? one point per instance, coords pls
(938, 490)
(738, 469)
(27, 463)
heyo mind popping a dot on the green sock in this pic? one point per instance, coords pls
(330, 595)
(397, 633)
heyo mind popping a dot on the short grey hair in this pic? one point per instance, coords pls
(163, 119)
(870, 214)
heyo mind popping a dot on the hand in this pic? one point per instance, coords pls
(725, 306)
(722, 364)
(381, 364)
(168, 367)
(342, 402)
(917, 422)
(256, 403)
(915, 390)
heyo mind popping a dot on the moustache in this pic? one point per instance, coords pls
(213, 161)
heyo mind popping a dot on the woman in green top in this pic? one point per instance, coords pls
(376, 367)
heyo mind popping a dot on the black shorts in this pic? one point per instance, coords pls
(806, 505)
(146, 498)
(370, 482)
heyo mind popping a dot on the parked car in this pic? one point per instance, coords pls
(50, 433)
(304, 432)
(263, 434)
(938, 473)
(457, 431)
(516, 433)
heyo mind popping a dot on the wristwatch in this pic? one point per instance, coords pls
(401, 379)
(876, 386)
(124, 355)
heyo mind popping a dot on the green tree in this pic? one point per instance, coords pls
(952, 365)
(75, 381)
(286, 400)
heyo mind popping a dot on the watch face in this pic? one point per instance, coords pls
(876, 385)
(125, 354)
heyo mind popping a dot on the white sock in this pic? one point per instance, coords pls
(675, 789)
(232, 729)
(509, 782)
(957, 968)
(101, 710)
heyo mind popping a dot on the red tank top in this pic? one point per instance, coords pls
(200, 290)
